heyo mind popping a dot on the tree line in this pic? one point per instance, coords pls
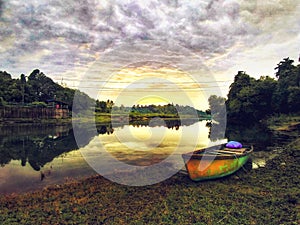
(251, 99)
(37, 89)
(168, 110)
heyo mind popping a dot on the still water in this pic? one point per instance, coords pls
(30, 152)
(35, 156)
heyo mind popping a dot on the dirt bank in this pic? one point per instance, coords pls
(267, 195)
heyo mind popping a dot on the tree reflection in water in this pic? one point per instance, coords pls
(40, 144)
(36, 145)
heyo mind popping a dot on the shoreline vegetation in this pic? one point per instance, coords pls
(267, 195)
(38, 99)
(249, 100)
(166, 112)
(283, 122)
(102, 118)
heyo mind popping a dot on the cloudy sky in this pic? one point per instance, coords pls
(97, 44)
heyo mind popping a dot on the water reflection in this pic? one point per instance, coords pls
(49, 153)
(31, 153)
(38, 145)
(154, 122)
(35, 145)
(258, 135)
(144, 145)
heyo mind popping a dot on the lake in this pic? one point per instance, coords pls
(35, 156)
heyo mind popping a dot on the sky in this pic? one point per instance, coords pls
(181, 51)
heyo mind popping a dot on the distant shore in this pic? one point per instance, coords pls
(99, 118)
(15, 121)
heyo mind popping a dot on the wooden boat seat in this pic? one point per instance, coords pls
(235, 149)
(231, 151)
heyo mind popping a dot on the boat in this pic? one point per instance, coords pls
(215, 162)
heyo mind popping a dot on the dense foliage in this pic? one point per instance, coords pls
(217, 107)
(252, 99)
(37, 87)
(168, 110)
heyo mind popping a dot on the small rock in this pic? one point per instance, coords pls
(236, 177)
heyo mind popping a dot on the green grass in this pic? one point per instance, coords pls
(267, 195)
(100, 118)
(35, 121)
(282, 122)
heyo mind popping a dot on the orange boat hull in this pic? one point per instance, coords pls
(204, 167)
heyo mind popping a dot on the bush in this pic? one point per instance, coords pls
(2, 102)
(39, 104)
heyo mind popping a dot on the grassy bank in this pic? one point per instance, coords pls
(282, 122)
(100, 118)
(35, 121)
(267, 195)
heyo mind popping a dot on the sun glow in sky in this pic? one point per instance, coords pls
(155, 83)
(153, 99)
(68, 39)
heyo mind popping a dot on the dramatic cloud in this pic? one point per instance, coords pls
(64, 37)
(1, 7)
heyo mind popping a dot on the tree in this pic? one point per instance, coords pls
(101, 106)
(217, 107)
(23, 83)
(250, 102)
(239, 97)
(294, 99)
(298, 76)
(284, 69)
(2, 102)
(241, 80)
(264, 89)
(5, 82)
(288, 76)
(109, 105)
(42, 87)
